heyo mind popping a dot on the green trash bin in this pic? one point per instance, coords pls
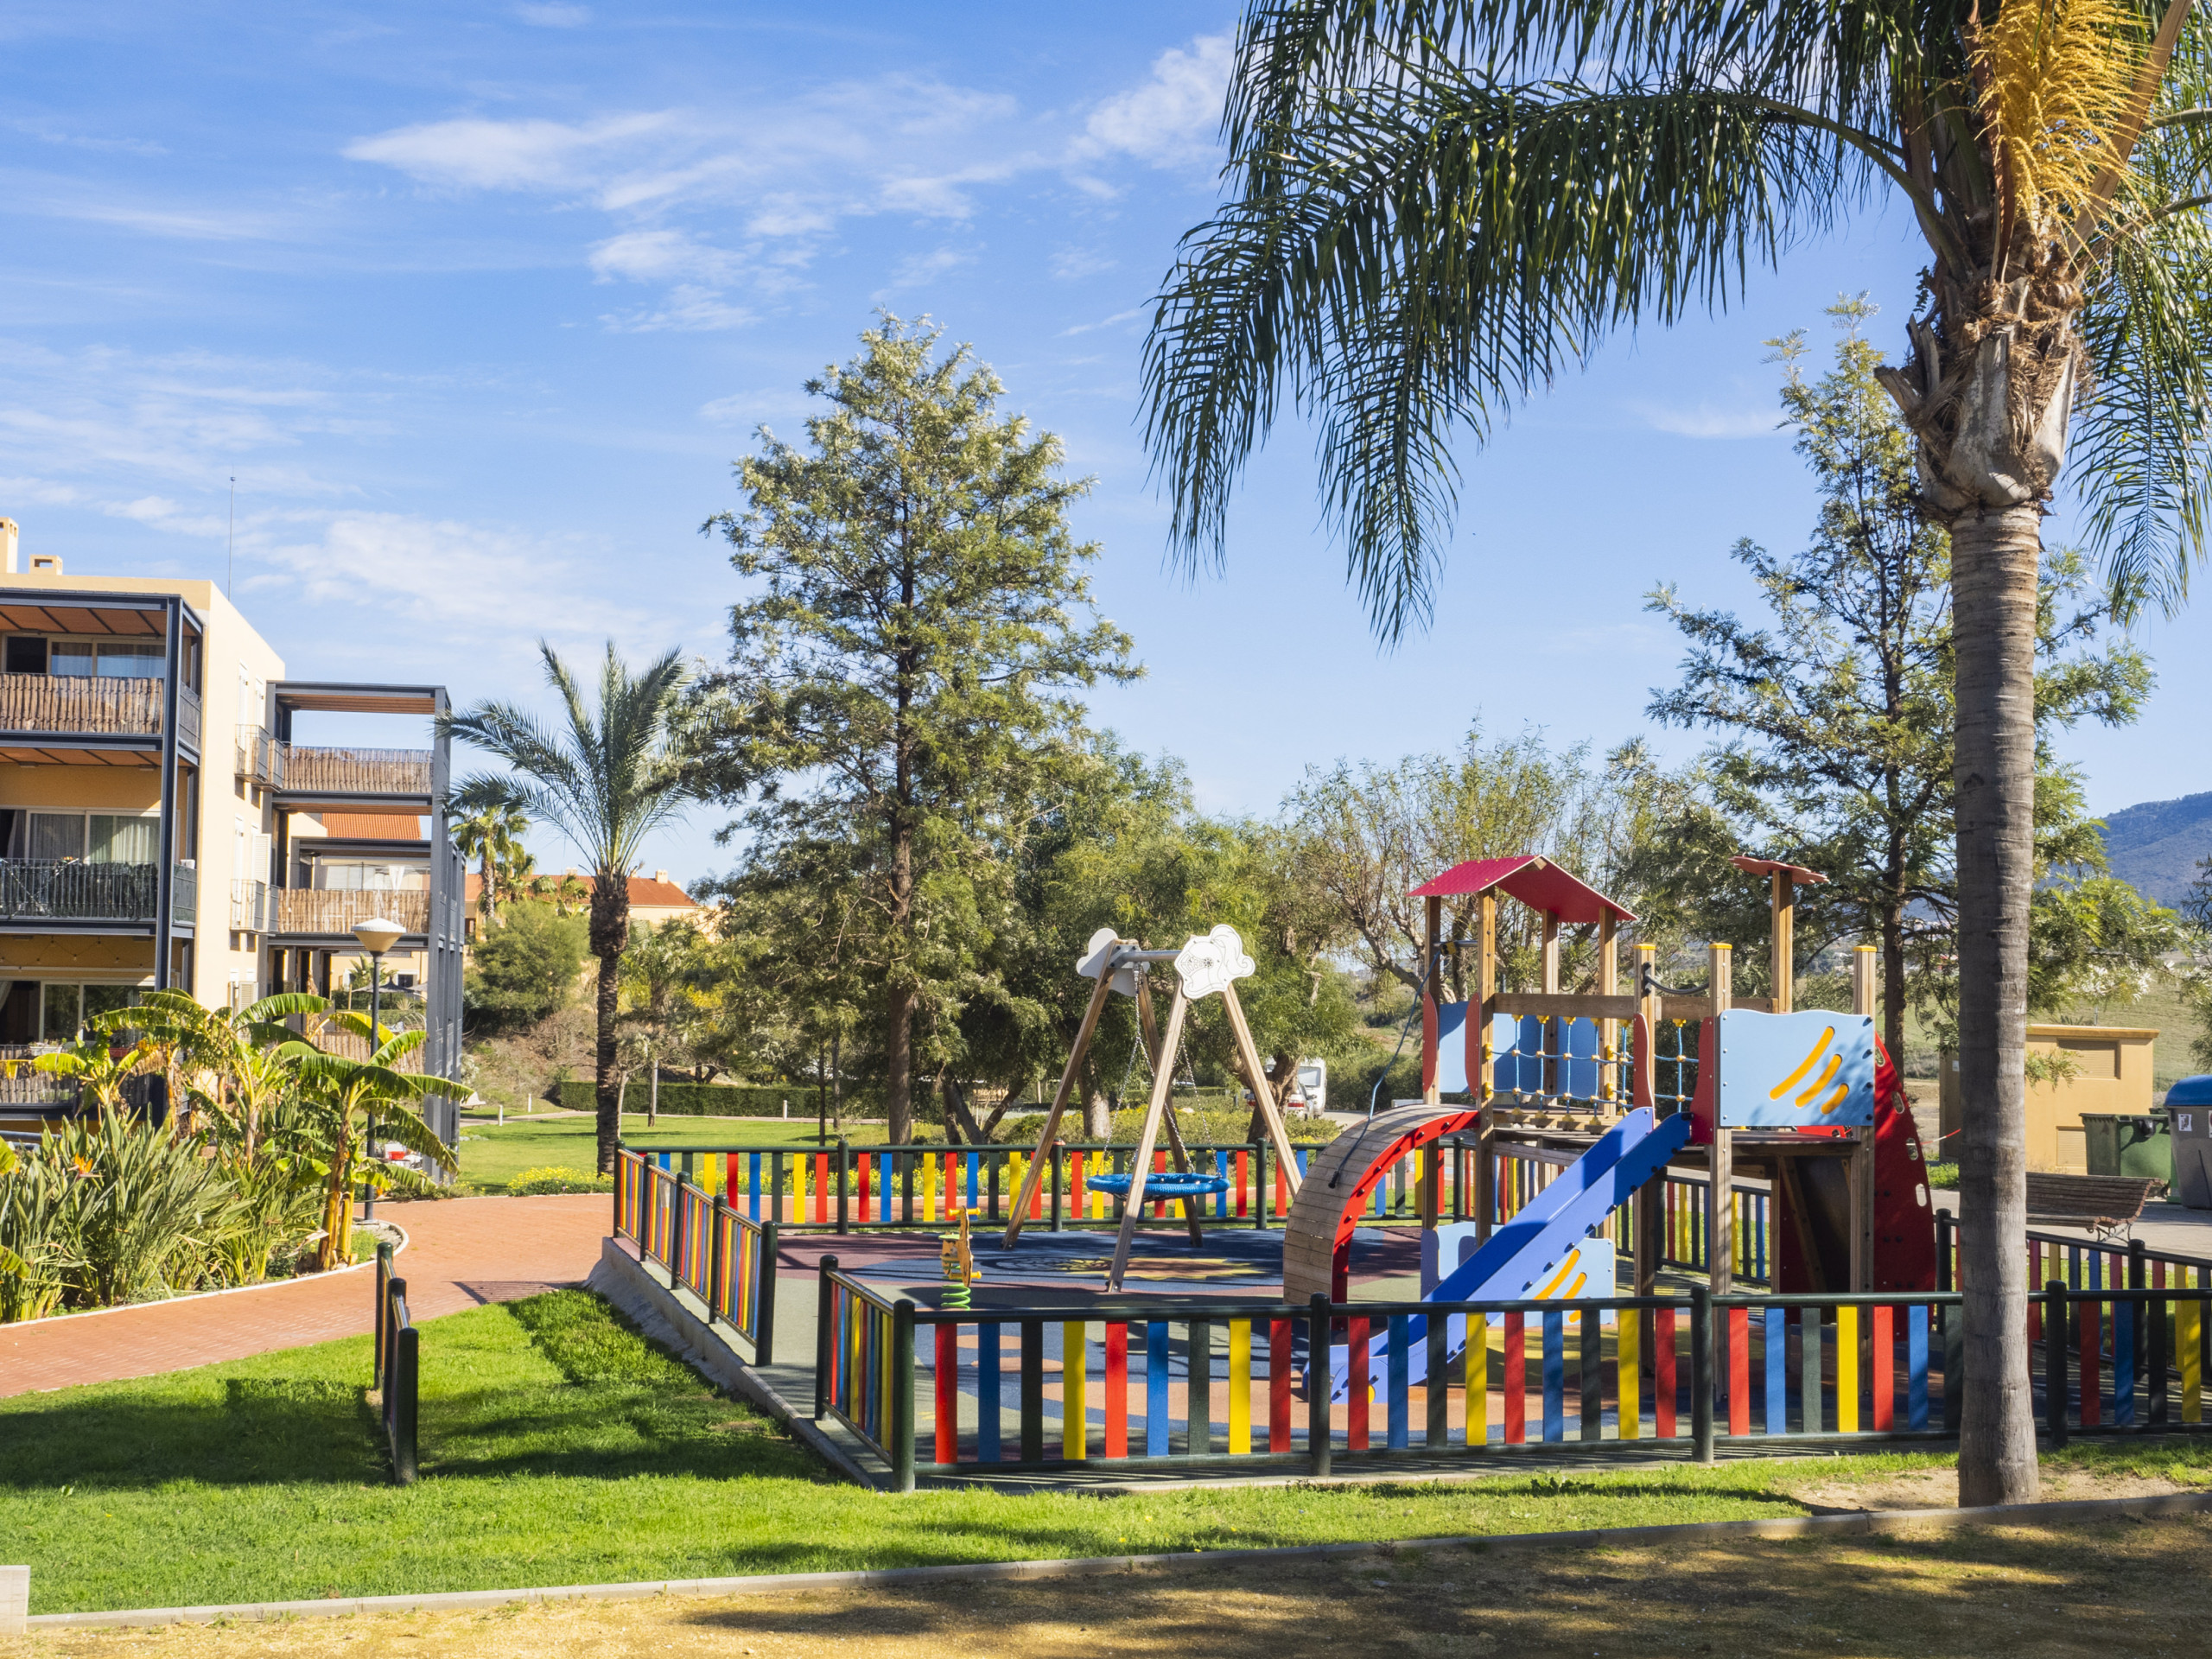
(2129, 1143)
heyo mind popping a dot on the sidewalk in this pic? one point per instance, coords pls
(461, 1252)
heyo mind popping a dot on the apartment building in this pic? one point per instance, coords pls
(159, 827)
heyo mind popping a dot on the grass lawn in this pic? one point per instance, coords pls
(557, 1447)
(492, 1155)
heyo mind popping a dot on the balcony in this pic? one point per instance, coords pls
(313, 912)
(80, 704)
(355, 774)
(21, 1085)
(249, 905)
(68, 893)
(260, 758)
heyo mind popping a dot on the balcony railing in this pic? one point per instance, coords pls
(346, 1045)
(306, 910)
(188, 717)
(70, 702)
(66, 889)
(356, 772)
(260, 758)
(249, 905)
(184, 896)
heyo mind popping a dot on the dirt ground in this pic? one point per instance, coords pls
(2109, 1591)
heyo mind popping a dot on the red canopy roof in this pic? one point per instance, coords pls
(1537, 882)
(1796, 873)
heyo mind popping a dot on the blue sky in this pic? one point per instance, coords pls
(478, 303)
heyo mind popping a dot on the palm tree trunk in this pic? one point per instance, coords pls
(609, 1087)
(1994, 554)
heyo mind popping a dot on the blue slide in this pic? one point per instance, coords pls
(1514, 1260)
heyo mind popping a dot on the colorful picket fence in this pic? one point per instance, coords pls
(844, 1187)
(1172, 1384)
(726, 1259)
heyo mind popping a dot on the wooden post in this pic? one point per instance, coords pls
(1148, 1137)
(1609, 1031)
(1432, 970)
(1719, 1193)
(1555, 1029)
(1050, 1133)
(1249, 1052)
(1159, 1057)
(1651, 1197)
(1782, 941)
(1862, 1163)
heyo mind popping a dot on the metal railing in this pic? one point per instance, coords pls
(725, 1259)
(356, 772)
(249, 905)
(187, 717)
(184, 895)
(260, 758)
(68, 889)
(398, 1370)
(74, 703)
(318, 910)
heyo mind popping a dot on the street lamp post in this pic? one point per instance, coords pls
(377, 935)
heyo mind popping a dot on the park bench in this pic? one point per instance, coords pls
(2109, 1206)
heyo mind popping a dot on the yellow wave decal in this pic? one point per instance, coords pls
(1842, 1093)
(1575, 1289)
(1826, 1076)
(1557, 1279)
(1809, 1062)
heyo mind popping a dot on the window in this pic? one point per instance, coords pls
(26, 654)
(345, 875)
(106, 659)
(65, 1008)
(90, 837)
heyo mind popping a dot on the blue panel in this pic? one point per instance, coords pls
(1791, 1071)
(1452, 1048)
(754, 1185)
(887, 1177)
(1397, 1388)
(662, 1161)
(1578, 1071)
(1778, 1370)
(1554, 1377)
(1156, 1421)
(2123, 1361)
(1916, 1364)
(986, 1392)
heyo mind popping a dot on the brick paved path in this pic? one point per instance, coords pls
(460, 1253)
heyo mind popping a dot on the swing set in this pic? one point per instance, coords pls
(1208, 964)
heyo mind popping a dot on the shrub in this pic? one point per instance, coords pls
(524, 966)
(552, 1178)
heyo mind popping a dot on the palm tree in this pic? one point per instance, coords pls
(492, 836)
(605, 781)
(1438, 206)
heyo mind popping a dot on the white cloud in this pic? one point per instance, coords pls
(1171, 117)
(1707, 422)
(527, 155)
(554, 17)
(1131, 315)
(662, 256)
(1072, 263)
(919, 269)
(689, 309)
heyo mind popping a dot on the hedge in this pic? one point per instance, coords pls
(726, 1099)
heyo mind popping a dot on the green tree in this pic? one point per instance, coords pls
(523, 967)
(1438, 207)
(605, 779)
(1840, 731)
(896, 695)
(493, 836)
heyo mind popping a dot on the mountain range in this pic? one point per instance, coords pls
(2155, 845)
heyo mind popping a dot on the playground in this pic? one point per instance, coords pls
(1622, 1224)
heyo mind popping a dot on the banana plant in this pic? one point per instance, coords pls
(98, 1069)
(229, 1061)
(340, 1097)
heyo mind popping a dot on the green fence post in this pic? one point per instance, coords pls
(902, 1396)
(1317, 1383)
(845, 1167)
(1943, 1225)
(1059, 1162)
(764, 1340)
(2054, 1360)
(383, 1281)
(714, 1252)
(1702, 1372)
(1260, 1185)
(822, 1337)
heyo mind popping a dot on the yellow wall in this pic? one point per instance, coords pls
(2112, 1075)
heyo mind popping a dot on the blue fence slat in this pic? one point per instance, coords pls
(1778, 1370)
(1916, 1362)
(987, 1399)
(1554, 1377)
(2123, 1362)
(1401, 1394)
(752, 1185)
(1156, 1421)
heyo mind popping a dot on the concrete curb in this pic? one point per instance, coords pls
(1852, 1523)
(665, 1314)
(293, 1283)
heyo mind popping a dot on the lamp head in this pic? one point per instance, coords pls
(378, 934)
